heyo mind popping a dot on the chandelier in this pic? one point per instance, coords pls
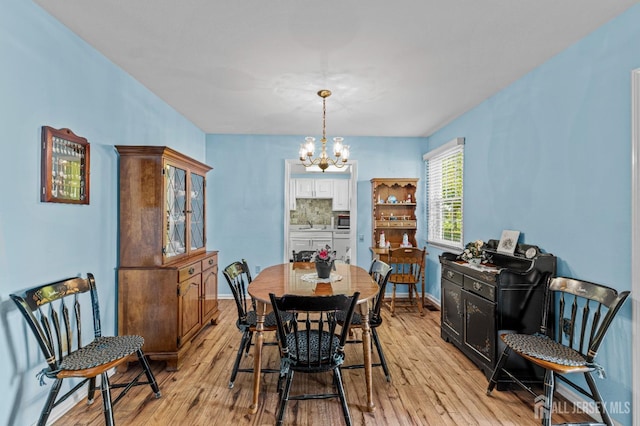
(340, 151)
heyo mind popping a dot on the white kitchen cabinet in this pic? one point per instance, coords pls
(309, 240)
(314, 188)
(341, 194)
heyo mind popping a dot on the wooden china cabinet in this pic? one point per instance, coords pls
(167, 281)
(394, 210)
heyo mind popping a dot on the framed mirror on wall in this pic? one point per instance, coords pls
(64, 167)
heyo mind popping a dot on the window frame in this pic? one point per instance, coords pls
(440, 154)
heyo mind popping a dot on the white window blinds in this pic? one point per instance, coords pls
(445, 187)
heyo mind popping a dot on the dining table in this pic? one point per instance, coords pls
(301, 279)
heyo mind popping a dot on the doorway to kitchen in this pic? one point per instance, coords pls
(313, 204)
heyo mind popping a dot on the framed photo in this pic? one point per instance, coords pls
(64, 167)
(508, 241)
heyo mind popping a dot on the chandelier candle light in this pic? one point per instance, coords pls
(340, 151)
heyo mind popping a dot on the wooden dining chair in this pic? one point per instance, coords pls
(54, 314)
(380, 273)
(575, 320)
(407, 265)
(238, 277)
(313, 342)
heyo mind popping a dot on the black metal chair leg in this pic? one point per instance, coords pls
(337, 375)
(548, 398)
(106, 399)
(91, 391)
(606, 419)
(383, 360)
(493, 381)
(248, 344)
(236, 364)
(284, 398)
(51, 399)
(151, 378)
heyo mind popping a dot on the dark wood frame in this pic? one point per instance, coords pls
(76, 151)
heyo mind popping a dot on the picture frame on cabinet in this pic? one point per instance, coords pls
(64, 167)
(508, 241)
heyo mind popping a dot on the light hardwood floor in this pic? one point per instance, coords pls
(432, 384)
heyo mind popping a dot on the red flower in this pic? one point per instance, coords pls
(323, 254)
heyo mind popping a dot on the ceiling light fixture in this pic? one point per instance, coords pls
(340, 151)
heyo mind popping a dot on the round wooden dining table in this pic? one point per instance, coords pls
(300, 279)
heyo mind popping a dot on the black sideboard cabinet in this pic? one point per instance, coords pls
(481, 302)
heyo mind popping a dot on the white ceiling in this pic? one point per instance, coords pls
(396, 68)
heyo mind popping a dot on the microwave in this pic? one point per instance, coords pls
(343, 221)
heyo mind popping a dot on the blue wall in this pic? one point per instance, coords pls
(551, 156)
(49, 76)
(245, 192)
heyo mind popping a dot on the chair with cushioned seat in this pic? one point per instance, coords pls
(576, 318)
(238, 277)
(302, 256)
(380, 272)
(54, 315)
(313, 342)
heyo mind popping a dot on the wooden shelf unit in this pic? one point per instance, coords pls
(394, 219)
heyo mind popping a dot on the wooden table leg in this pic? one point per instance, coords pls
(366, 349)
(257, 352)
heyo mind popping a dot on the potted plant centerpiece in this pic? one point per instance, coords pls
(324, 259)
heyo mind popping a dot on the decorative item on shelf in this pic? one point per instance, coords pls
(324, 260)
(392, 199)
(340, 151)
(473, 252)
(405, 241)
(382, 243)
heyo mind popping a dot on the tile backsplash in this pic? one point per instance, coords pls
(314, 210)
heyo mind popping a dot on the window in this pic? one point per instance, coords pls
(444, 193)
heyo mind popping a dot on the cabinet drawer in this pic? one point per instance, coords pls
(208, 262)
(453, 276)
(486, 290)
(187, 271)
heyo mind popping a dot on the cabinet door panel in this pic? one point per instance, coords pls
(324, 188)
(189, 307)
(209, 291)
(452, 310)
(304, 188)
(340, 195)
(479, 327)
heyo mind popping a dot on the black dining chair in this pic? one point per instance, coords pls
(54, 314)
(238, 277)
(302, 255)
(313, 342)
(380, 272)
(575, 320)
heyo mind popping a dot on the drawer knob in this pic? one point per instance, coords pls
(477, 286)
(450, 274)
(210, 261)
(191, 270)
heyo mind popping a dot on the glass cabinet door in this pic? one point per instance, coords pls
(197, 240)
(176, 207)
(197, 212)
